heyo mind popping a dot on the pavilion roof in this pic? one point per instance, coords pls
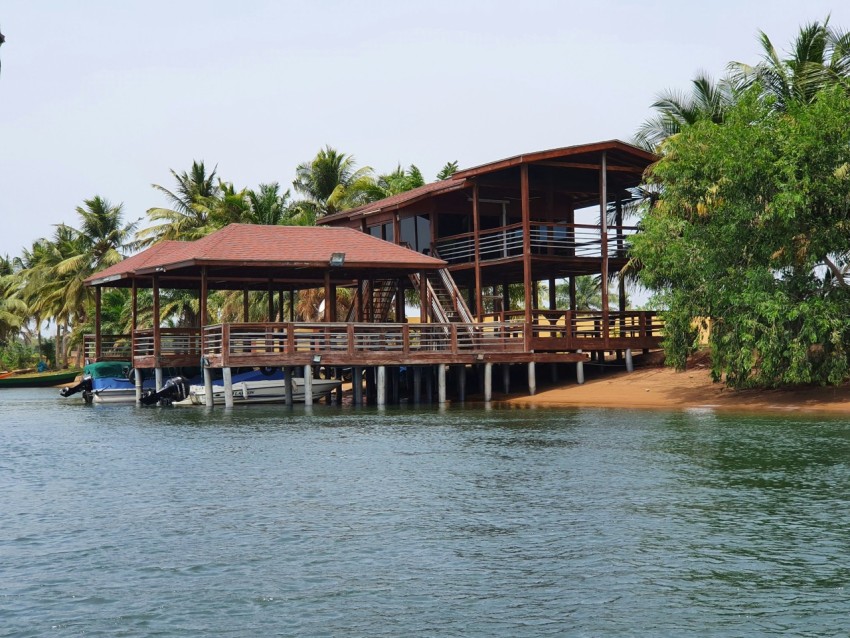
(246, 251)
(621, 158)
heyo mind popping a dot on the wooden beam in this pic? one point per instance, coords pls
(526, 239)
(603, 210)
(593, 167)
(97, 323)
(476, 233)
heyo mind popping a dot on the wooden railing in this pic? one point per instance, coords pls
(560, 239)
(271, 341)
(112, 348)
(591, 330)
(173, 342)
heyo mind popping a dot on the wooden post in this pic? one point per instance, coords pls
(271, 303)
(98, 347)
(461, 382)
(291, 305)
(328, 299)
(553, 294)
(202, 304)
(603, 210)
(423, 297)
(526, 241)
(476, 232)
(157, 350)
(245, 304)
(134, 321)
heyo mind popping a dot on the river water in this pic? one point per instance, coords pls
(326, 521)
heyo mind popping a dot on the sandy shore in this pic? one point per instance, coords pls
(657, 387)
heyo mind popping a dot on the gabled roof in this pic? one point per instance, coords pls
(621, 158)
(397, 201)
(239, 248)
(620, 155)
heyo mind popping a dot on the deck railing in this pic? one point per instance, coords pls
(112, 347)
(173, 342)
(271, 340)
(558, 239)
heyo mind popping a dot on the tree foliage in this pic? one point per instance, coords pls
(750, 231)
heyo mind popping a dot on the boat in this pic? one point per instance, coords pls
(108, 382)
(259, 386)
(39, 379)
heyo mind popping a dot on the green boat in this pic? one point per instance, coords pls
(39, 379)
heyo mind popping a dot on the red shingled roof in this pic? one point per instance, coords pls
(247, 245)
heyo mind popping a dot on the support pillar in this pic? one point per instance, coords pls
(138, 378)
(227, 377)
(488, 382)
(308, 384)
(579, 370)
(429, 385)
(208, 388)
(289, 381)
(417, 385)
(506, 378)
(357, 384)
(158, 376)
(461, 383)
(532, 378)
(630, 366)
(441, 383)
(382, 386)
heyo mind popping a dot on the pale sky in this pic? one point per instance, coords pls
(104, 97)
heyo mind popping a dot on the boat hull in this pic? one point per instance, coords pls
(262, 391)
(39, 380)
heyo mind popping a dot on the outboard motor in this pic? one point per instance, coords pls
(175, 389)
(84, 386)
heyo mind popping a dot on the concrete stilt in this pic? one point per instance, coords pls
(579, 370)
(382, 386)
(506, 378)
(532, 378)
(429, 385)
(288, 375)
(488, 381)
(227, 377)
(630, 365)
(158, 376)
(208, 388)
(357, 384)
(417, 385)
(138, 380)
(461, 383)
(441, 383)
(308, 385)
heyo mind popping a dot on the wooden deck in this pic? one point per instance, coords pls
(554, 336)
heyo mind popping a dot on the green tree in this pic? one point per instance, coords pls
(819, 57)
(675, 110)
(191, 203)
(330, 182)
(750, 215)
(449, 169)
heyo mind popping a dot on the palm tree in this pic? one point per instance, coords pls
(449, 169)
(331, 183)
(13, 310)
(819, 56)
(707, 100)
(188, 218)
(268, 205)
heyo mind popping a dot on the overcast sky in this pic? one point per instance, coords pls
(104, 97)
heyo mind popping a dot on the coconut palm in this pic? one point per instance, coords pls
(449, 169)
(708, 100)
(268, 205)
(188, 217)
(330, 182)
(819, 56)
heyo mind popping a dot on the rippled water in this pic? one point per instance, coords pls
(264, 521)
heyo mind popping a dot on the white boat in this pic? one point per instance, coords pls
(259, 391)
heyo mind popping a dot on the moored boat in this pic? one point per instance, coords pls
(39, 379)
(257, 386)
(107, 382)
